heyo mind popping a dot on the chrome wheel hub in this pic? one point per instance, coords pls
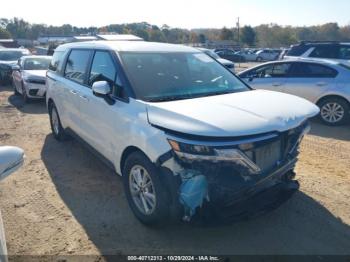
(142, 190)
(332, 112)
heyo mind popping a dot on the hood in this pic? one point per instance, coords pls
(238, 114)
(36, 74)
(9, 63)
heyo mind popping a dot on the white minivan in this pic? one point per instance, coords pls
(188, 137)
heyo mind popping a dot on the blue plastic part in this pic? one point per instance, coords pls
(193, 192)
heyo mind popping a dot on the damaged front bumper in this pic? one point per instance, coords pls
(234, 179)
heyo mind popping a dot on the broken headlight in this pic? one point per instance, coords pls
(190, 153)
(191, 149)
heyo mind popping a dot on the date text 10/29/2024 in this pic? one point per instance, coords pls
(173, 258)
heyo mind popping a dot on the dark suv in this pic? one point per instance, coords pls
(321, 50)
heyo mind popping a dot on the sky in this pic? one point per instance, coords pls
(179, 13)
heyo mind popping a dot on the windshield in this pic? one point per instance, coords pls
(36, 63)
(173, 76)
(10, 55)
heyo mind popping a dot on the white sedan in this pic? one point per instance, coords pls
(29, 76)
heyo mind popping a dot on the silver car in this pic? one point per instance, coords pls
(29, 76)
(325, 83)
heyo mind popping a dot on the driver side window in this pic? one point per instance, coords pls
(102, 69)
(272, 70)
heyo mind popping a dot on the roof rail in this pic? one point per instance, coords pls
(318, 42)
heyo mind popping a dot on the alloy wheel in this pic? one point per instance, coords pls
(142, 190)
(332, 112)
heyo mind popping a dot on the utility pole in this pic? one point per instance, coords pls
(238, 33)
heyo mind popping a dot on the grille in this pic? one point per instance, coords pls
(266, 156)
(37, 81)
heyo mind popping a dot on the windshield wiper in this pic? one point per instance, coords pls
(168, 98)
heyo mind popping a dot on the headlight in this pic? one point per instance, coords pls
(190, 153)
(191, 149)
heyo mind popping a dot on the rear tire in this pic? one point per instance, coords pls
(55, 122)
(148, 203)
(334, 111)
(15, 91)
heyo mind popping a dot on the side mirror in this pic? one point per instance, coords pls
(11, 159)
(101, 88)
(16, 68)
(251, 78)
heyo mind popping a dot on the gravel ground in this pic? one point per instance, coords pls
(64, 201)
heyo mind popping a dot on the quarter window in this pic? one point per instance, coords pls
(77, 64)
(57, 61)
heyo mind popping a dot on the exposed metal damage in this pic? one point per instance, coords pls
(230, 177)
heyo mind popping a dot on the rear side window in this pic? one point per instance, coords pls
(309, 70)
(77, 65)
(297, 50)
(344, 52)
(325, 51)
(57, 61)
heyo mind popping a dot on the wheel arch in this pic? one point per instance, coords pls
(332, 96)
(127, 152)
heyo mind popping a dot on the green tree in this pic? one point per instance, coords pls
(202, 38)
(226, 34)
(248, 36)
(4, 34)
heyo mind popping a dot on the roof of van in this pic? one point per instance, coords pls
(129, 46)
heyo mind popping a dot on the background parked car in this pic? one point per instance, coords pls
(326, 84)
(230, 65)
(321, 50)
(29, 76)
(248, 55)
(9, 58)
(230, 55)
(267, 55)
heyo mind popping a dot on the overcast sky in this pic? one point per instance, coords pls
(179, 13)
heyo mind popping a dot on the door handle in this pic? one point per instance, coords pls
(321, 84)
(84, 98)
(277, 84)
(73, 92)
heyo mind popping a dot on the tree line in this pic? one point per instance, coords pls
(266, 35)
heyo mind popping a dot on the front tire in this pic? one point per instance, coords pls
(144, 190)
(334, 111)
(26, 99)
(55, 122)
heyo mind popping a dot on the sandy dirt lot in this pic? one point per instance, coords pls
(66, 201)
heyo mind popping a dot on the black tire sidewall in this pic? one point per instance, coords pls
(14, 88)
(161, 211)
(61, 134)
(26, 99)
(343, 104)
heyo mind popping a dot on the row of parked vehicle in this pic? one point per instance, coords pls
(189, 138)
(248, 55)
